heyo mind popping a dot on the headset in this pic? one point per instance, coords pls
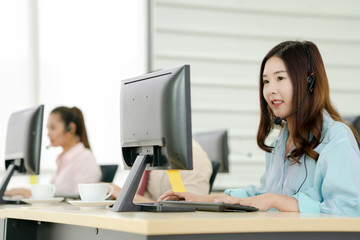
(306, 174)
(310, 78)
(68, 128)
(310, 82)
(72, 119)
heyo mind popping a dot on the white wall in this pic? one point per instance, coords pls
(225, 41)
(16, 88)
(86, 47)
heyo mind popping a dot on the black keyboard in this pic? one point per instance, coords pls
(209, 206)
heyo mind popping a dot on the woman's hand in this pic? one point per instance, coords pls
(265, 202)
(137, 197)
(26, 193)
(262, 202)
(116, 191)
(183, 196)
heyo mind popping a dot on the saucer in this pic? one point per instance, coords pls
(47, 201)
(87, 205)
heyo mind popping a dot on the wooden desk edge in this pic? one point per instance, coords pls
(189, 225)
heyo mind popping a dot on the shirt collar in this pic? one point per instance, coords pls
(327, 122)
(67, 156)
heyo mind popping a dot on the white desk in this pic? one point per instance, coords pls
(67, 222)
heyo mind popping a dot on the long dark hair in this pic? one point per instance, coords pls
(309, 117)
(75, 116)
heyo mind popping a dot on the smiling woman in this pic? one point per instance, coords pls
(278, 88)
(314, 164)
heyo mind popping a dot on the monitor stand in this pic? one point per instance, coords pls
(5, 181)
(124, 202)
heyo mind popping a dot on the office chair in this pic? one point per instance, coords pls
(354, 121)
(215, 168)
(108, 172)
(215, 144)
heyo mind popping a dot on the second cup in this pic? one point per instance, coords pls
(94, 192)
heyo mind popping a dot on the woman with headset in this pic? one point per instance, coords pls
(76, 164)
(314, 164)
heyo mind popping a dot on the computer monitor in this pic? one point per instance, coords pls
(155, 125)
(23, 145)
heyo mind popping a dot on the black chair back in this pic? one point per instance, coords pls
(108, 172)
(355, 122)
(215, 167)
(215, 144)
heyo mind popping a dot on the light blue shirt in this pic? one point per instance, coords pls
(332, 184)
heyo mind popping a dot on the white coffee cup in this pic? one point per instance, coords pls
(94, 192)
(40, 191)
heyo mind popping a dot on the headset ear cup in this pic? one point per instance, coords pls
(311, 82)
(68, 128)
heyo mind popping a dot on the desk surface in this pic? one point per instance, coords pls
(148, 223)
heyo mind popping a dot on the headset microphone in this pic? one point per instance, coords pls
(278, 120)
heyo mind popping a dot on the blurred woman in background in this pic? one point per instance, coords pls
(76, 164)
